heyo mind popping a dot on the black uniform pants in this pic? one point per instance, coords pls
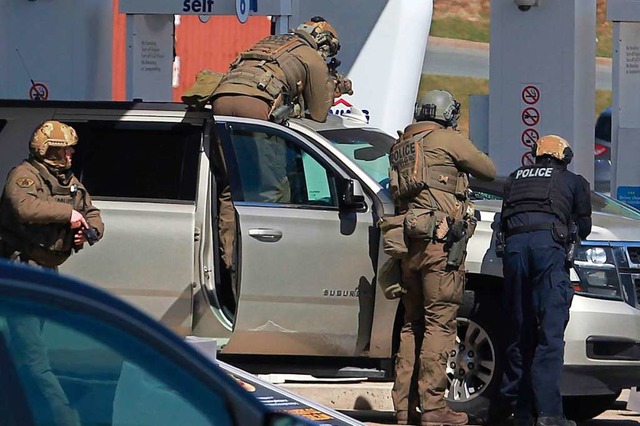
(537, 298)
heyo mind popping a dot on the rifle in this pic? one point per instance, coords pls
(343, 84)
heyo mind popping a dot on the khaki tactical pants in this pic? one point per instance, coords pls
(429, 330)
(236, 106)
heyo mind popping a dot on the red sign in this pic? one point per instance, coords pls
(342, 102)
(39, 92)
(529, 137)
(530, 116)
(527, 159)
(530, 95)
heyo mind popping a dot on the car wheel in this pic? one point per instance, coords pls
(474, 366)
(580, 408)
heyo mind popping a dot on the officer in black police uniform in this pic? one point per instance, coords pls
(542, 202)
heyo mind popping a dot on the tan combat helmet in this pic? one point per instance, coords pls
(553, 146)
(52, 134)
(438, 105)
(324, 34)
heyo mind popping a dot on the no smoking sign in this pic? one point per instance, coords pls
(38, 92)
(530, 95)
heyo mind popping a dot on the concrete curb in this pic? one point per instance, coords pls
(370, 396)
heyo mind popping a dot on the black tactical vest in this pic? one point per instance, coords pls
(537, 188)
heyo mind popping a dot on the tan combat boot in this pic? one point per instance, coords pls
(411, 417)
(443, 417)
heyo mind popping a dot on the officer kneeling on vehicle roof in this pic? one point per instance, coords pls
(429, 184)
(281, 76)
(541, 203)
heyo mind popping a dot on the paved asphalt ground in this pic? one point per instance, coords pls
(616, 416)
(370, 401)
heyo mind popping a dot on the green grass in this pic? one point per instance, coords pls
(604, 44)
(453, 27)
(462, 87)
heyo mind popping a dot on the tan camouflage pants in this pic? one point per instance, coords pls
(236, 106)
(429, 330)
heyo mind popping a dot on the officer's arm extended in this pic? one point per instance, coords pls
(582, 206)
(318, 92)
(470, 159)
(90, 212)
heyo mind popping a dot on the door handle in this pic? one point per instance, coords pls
(265, 234)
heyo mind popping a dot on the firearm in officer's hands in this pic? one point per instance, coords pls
(91, 234)
(344, 86)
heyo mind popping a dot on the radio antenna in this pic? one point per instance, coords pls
(33, 83)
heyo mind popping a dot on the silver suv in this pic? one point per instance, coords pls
(304, 295)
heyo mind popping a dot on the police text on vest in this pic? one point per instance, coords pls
(537, 172)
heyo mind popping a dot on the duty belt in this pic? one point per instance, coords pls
(527, 228)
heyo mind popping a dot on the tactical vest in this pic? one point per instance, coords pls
(536, 188)
(410, 175)
(271, 67)
(48, 244)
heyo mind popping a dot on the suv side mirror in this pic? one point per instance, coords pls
(352, 195)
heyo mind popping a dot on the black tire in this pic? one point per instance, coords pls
(580, 408)
(475, 381)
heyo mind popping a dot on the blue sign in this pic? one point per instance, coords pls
(629, 195)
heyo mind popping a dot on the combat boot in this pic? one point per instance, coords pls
(555, 421)
(443, 416)
(518, 420)
(411, 417)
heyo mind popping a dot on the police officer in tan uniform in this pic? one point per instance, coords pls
(429, 184)
(280, 76)
(45, 214)
(282, 70)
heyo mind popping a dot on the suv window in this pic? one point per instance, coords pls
(271, 168)
(157, 161)
(368, 148)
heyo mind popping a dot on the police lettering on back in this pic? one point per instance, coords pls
(403, 155)
(535, 172)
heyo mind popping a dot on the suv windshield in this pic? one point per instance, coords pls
(368, 148)
(604, 204)
(600, 203)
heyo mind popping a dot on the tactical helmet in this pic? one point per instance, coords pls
(553, 146)
(323, 33)
(52, 134)
(438, 105)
